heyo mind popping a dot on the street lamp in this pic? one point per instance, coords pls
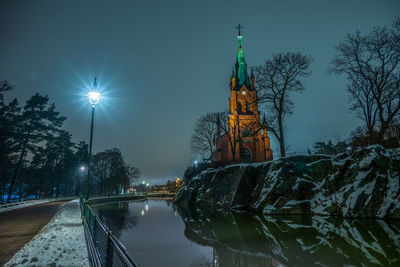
(94, 97)
(81, 179)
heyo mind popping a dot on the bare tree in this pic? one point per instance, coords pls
(371, 63)
(112, 172)
(133, 173)
(204, 134)
(275, 81)
(237, 131)
(232, 131)
(362, 102)
(211, 125)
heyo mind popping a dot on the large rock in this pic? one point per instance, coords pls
(361, 183)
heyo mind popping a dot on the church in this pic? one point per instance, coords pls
(246, 138)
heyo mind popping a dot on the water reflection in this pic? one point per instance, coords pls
(242, 240)
(116, 216)
(157, 233)
(157, 239)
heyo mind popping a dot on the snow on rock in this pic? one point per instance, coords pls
(60, 243)
(364, 182)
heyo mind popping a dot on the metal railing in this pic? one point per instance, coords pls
(103, 247)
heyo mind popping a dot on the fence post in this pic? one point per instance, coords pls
(109, 250)
(96, 242)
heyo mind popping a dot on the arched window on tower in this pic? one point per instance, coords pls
(246, 154)
(247, 107)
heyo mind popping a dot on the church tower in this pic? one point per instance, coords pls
(246, 139)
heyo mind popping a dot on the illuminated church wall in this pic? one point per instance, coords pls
(244, 120)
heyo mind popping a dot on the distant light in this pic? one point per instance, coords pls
(144, 182)
(82, 168)
(147, 184)
(147, 207)
(142, 212)
(94, 98)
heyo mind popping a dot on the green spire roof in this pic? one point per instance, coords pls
(241, 61)
(241, 76)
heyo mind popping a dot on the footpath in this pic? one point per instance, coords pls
(60, 243)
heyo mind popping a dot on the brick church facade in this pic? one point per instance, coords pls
(246, 139)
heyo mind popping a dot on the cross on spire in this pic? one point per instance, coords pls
(239, 27)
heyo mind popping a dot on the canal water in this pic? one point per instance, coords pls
(158, 233)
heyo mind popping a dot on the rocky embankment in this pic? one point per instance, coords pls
(362, 183)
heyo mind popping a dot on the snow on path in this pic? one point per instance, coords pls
(23, 205)
(18, 205)
(60, 243)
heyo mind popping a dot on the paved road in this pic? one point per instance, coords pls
(17, 227)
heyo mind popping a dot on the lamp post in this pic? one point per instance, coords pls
(94, 97)
(81, 180)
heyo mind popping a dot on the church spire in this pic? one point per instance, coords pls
(241, 65)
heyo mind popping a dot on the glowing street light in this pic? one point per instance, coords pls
(94, 98)
(82, 168)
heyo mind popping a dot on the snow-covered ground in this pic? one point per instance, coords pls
(60, 243)
(23, 204)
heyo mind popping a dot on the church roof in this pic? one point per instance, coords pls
(240, 71)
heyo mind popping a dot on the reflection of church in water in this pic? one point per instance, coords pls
(246, 139)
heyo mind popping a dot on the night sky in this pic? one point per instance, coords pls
(162, 64)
